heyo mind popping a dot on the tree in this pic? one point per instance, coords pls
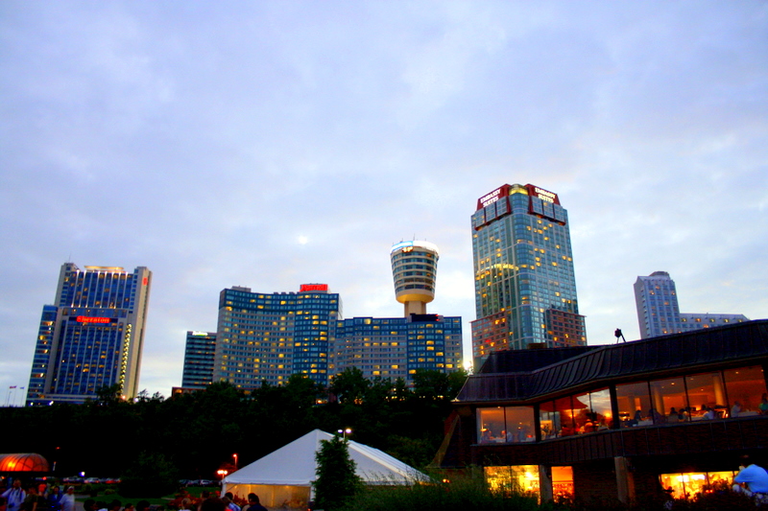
(350, 386)
(337, 481)
(151, 475)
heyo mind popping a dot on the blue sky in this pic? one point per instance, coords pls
(270, 144)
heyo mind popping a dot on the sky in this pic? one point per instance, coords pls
(269, 144)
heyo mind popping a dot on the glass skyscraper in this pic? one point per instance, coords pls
(525, 286)
(92, 337)
(199, 352)
(658, 311)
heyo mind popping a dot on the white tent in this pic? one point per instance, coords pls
(285, 475)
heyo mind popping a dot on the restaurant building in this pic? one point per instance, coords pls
(616, 422)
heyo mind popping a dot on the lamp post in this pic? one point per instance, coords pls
(235, 458)
(345, 432)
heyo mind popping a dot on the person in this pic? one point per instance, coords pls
(763, 406)
(33, 501)
(68, 499)
(14, 496)
(229, 500)
(754, 477)
(736, 409)
(673, 416)
(254, 504)
(710, 414)
(54, 498)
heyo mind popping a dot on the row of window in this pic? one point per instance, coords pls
(724, 394)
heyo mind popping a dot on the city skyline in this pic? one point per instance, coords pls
(268, 145)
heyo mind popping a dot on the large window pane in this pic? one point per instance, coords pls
(511, 424)
(601, 408)
(514, 479)
(519, 422)
(706, 391)
(490, 425)
(549, 420)
(564, 409)
(592, 411)
(666, 395)
(634, 404)
(745, 386)
(562, 483)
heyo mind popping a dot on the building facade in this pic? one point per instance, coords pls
(270, 336)
(658, 311)
(92, 336)
(393, 348)
(525, 286)
(616, 422)
(414, 270)
(199, 353)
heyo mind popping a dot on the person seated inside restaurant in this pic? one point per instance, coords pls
(673, 417)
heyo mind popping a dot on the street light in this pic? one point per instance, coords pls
(235, 457)
(345, 432)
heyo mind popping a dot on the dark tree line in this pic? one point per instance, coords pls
(199, 432)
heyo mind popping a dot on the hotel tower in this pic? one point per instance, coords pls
(92, 336)
(525, 288)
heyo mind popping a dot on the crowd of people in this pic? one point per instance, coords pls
(42, 497)
(37, 497)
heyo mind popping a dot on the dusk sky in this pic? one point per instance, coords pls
(269, 144)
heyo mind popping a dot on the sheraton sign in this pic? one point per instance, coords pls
(92, 319)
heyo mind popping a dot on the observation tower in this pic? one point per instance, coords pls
(414, 269)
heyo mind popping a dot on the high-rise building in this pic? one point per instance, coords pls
(658, 311)
(93, 335)
(414, 269)
(270, 336)
(198, 360)
(525, 286)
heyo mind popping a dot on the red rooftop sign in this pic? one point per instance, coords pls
(313, 287)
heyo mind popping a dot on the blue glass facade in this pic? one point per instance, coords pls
(525, 286)
(269, 337)
(92, 337)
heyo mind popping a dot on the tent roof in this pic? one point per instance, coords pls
(294, 465)
(23, 462)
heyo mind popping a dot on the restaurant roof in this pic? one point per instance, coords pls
(519, 375)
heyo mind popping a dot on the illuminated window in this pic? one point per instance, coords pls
(513, 479)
